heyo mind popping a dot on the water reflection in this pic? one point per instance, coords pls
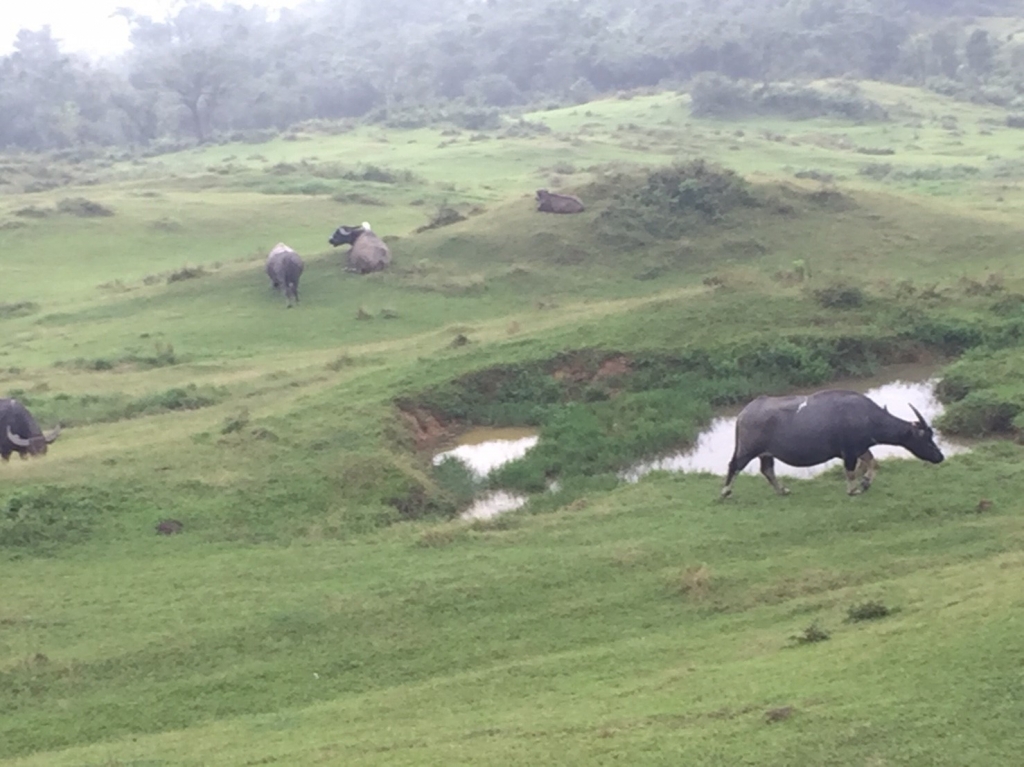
(483, 451)
(714, 446)
(493, 504)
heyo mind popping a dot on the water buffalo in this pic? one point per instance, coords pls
(19, 432)
(549, 202)
(809, 430)
(284, 267)
(368, 252)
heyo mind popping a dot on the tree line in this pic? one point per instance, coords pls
(207, 72)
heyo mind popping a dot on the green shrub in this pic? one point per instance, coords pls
(713, 95)
(812, 634)
(80, 206)
(981, 413)
(867, 611)
(236, 422)
(443, 216)
(667, 202)
(186, 273)
(456, 480)
(18, 309)
(839, 295)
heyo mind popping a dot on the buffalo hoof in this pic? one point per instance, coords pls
(726, 492)
(782, 491)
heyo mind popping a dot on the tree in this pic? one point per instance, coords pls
(199, 55)
(979, 52)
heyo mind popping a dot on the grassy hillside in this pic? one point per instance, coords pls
(323, 605)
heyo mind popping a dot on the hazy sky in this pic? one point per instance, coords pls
(86, 25)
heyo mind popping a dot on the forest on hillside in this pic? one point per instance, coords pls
(208, 73)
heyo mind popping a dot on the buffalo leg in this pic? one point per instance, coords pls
(868, 466)
(736, 465)
(850, 463)
(768, 469)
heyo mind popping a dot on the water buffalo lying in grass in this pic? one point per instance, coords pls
(810, 430)
(19, 432)
(368, 252)
(549, 202)
(284, 267)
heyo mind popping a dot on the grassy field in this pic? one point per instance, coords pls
(324, 605)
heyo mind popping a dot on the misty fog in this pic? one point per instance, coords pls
(211, 73)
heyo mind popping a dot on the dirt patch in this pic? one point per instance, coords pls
(613, 367)
(426, 429)
(583, 368)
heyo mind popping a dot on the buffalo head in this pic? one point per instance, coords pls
(347, 235)
(920, 440)
(33, 445)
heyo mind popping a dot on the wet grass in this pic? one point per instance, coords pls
(320, 604)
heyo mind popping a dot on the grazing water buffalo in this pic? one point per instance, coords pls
(19, 432)
(284, 267)
(809, 430)
(368, 252)
(549, 202)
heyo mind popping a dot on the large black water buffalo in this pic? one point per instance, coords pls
(550, 202)
(368, 253)
(284, 267)
(19, 432)
(810, 430)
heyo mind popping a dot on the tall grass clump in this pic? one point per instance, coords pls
(983, 393)
(17, 309)
(668, 202)
(590, 439)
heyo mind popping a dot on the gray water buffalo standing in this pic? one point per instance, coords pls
(810, 430)
(549, 202)
(19, 432)
(368, 252)
(284, 267)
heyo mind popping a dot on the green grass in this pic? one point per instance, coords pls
(322, 606)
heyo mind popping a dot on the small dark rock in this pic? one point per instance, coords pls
(778, 714)
(169, 527)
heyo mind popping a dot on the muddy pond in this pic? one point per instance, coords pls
(483, 450)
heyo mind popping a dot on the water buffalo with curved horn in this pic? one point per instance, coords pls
(549, 202)
(284, 267)
(810, 430)
(19, 432)
(367, 253)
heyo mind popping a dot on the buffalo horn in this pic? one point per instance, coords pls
(920, 418)
(50, 436)
(16, 439)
